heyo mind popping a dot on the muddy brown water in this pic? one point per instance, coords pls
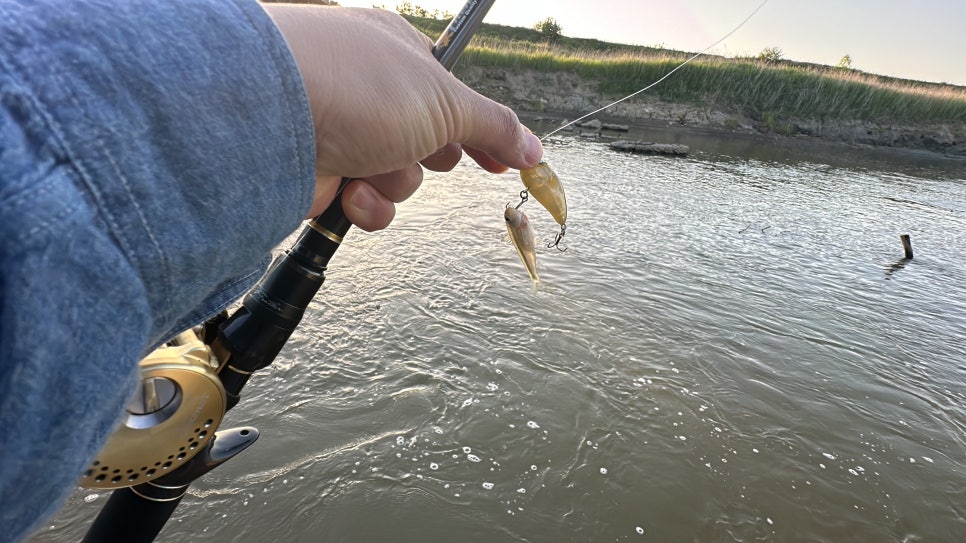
(730, 349)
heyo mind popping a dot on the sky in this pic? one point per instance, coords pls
(914, 39)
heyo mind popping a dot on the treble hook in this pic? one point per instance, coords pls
(559, 237)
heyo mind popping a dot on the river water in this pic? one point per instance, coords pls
(730, 349)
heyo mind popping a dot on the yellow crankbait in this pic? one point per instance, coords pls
(521, 234)
(543, 183)
(545, 186)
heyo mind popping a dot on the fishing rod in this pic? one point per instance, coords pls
(170, 436)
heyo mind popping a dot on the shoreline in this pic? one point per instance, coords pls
(564, 96)
(704, 140)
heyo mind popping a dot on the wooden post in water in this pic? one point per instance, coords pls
(906, 245)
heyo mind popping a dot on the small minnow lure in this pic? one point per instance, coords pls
(545, 186)
(521, 234)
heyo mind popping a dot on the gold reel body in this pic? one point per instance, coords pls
(178, 407)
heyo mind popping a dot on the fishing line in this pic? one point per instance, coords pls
(678, 67)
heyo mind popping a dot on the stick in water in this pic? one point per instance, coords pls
(906, 245)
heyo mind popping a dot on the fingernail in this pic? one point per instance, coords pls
(534, 150)
(364, 198)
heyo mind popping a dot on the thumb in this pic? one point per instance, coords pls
(495, 129)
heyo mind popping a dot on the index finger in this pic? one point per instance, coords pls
(485, 161)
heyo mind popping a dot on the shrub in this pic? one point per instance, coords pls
(549, 29)
(770, 54)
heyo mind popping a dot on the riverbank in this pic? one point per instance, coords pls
(567, 96)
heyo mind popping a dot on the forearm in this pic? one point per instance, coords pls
(151, 154)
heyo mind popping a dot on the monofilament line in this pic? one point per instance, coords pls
(678, 67)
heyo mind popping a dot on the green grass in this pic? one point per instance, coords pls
(765, 91)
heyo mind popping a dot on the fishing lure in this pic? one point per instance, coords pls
(543, 183)
(521, 234)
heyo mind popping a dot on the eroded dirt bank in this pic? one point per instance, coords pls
(567, 95)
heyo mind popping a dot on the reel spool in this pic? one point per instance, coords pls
(176, 410)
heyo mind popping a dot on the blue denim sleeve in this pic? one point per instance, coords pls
(152, 153)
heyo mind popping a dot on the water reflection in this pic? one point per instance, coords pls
(896, 266)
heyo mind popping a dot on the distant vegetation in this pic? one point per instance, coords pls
(765, 87)
(770, 54)
(408, 9)
(549, 30)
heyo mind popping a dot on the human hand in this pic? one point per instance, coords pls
(382, 105)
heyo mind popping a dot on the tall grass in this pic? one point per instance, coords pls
(747, 86)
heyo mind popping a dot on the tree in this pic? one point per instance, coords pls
(407, 8)
(315, 2)
(770, 55)
(445, 15)
(846, 62)
(549, 29)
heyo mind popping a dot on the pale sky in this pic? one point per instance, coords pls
(914, 39)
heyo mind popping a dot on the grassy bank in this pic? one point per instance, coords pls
(768, 92)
